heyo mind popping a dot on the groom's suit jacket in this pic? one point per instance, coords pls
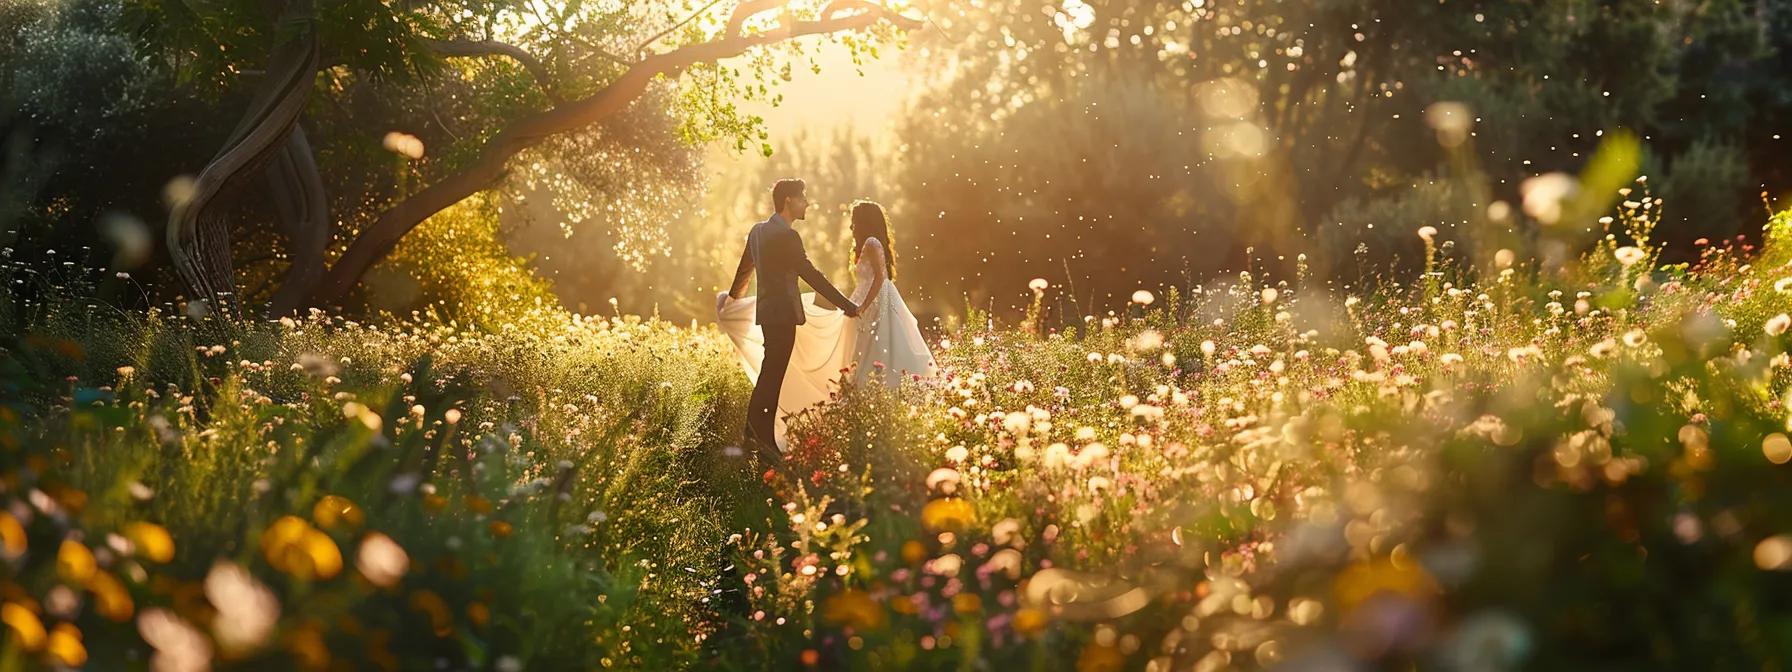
(776, 251)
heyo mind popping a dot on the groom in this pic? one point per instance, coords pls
(775, 250)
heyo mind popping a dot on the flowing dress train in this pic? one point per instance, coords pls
(883, 344)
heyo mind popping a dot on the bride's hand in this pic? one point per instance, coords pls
(721, 301)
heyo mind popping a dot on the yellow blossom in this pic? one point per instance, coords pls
(293, 546)
(332, 512)
(151, 541)
(854, 609)
(65, 645)
(1363, 580)
(110, 598)
(28, 630)
(913, 551)
(1098, 658)
(74, 562)
(950, 514)
(12, 536)
(1028, 620)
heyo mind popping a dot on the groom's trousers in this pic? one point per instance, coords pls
(762, 409)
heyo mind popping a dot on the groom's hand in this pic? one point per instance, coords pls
(850, 310)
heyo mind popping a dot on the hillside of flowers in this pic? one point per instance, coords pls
(1491, 466)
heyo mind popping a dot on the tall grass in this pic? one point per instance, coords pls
(1495, 467)
(1579, 468)
(548, 488)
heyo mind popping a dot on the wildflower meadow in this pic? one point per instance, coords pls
(1512, 470)
(866, 335)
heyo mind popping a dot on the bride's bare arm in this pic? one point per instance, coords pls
(874, 251)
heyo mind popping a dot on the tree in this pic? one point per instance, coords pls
(583, 65)
(73, 91)
(590, 265)
(1263, 122)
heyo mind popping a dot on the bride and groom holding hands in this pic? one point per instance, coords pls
(794, 346)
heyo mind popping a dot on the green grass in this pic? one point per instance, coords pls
(1541, 469)
(590, 444)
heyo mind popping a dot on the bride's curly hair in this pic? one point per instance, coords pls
(868, 222)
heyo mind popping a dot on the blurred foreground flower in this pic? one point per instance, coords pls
(332, 512)
(176, 192)
(944, 480)
(179, 646)
(13, 542)
(74, 562)
(27, 630)
(1774, 553)
(1364, 580)
(151, 541)
(247, 610)
(854, 609)
(1030, 621)
(111, 599)
(1543, 195)
(1097, 657)
(951, 514)
(65, 645)
(1778, 324)
(1083, 596)
(1451, 120)
(293, 546)
(403, 144)
(382, 560)
(1777, 448)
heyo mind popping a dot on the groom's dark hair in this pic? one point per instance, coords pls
(784, 189)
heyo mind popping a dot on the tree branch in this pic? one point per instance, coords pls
(656, 37)
(488, 169)
(297, 190)
(838, 6)
(747, 10)
(483, 48)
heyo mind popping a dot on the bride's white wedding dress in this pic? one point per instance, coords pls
(883, 344)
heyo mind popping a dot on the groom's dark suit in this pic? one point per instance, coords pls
(776, 251)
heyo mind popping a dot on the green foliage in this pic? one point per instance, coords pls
(74, 91)
(1708, 183)
(456, 268)
(1533, 467)
(1528, 471)
(538, 483)
(1157, 141)
(76, 71)
(93, 78)
(1381, 231)
(207, 42)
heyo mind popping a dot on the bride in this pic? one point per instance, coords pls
(883, 344)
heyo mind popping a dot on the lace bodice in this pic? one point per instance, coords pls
(867, 270)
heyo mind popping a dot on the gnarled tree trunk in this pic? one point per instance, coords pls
(379, 238)
(199, 227)
(303, 214)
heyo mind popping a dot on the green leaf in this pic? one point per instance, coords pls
(1612, 167)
